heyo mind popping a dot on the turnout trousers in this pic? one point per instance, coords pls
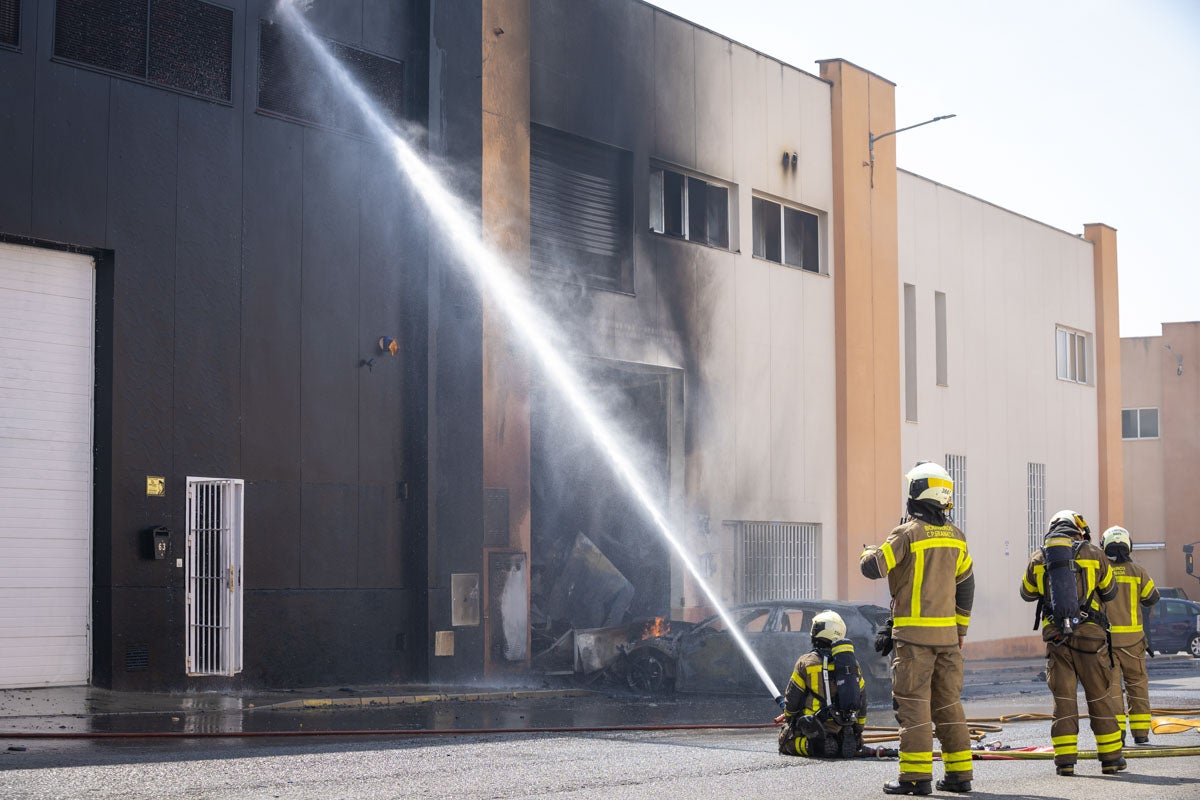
(1082, 661)
(1131, 670)
(927, 696)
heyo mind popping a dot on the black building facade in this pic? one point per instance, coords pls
(253, 243)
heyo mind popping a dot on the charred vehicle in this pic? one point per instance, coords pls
(706, 658)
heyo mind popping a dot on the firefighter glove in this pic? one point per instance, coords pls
(883, 639)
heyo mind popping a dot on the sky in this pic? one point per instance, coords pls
(1069, 112)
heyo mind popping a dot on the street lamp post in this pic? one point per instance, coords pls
(873, 139)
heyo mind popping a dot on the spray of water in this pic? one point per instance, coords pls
(496, 281)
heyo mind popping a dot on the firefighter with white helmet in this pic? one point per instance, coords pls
(825, 704)
(930, 577)
(1135, 591)
(1071, 580)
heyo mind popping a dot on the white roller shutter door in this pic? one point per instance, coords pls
(47, 373)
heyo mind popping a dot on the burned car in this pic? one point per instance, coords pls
(706, 658)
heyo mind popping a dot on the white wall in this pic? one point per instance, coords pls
(1008, 282)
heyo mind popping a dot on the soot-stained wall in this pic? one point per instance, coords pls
(248, 265)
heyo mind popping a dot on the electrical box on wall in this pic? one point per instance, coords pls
(156, 543)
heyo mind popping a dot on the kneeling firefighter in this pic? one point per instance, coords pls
(825, 705)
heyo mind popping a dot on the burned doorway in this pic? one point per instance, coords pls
(597, 559)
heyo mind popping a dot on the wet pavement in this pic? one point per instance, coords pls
(255, 761)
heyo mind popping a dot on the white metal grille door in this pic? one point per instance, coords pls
(47, 373)
(1036, 491)
(214, 576)
(778, 561)
(957, 467)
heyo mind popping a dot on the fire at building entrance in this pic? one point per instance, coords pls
(597, 562)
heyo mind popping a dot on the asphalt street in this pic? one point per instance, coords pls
(717, 764)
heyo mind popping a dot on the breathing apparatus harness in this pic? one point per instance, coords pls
(1060, 604)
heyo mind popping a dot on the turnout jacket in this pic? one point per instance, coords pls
(1135, 588)
(805, 692)
(930, 578)
(1094, 585)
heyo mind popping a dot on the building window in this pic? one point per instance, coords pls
(580, 226)
(778, 561)
(910, 352)
(957, 467)
(1073, 355)
(939, 310)
(786, 235)
(183, 45)
(1139, 423)
(293, 84)
(10, 23)
(689, 207)
(1035, 498)
(213, 569)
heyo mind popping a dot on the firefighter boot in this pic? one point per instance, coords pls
(947, 785)
(908, 787)
(1114, 766)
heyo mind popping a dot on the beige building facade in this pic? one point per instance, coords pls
(1160, 415)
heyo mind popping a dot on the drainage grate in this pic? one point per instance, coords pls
(292, 84)
(10, 22)
(137, 658)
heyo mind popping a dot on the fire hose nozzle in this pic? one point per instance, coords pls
(779, 701)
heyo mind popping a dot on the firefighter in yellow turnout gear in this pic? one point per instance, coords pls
(825, 705)
(932, 585)
(1135, 589)
(1071, 579)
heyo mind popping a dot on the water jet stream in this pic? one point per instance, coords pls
(495, 281)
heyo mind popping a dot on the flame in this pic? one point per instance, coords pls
(661, 626)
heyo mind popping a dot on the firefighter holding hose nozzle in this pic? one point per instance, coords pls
(1070, 578)
(932, 584)
(825, 704)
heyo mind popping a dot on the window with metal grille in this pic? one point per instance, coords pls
(10, 23)
(293, 84)
(1035, 482)
(183, 45)
(580, 200)
(957, 467)
(214, 576)
(778, 561)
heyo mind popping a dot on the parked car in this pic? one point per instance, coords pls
(706, 657)
(1174, 625)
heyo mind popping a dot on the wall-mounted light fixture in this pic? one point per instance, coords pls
(790, 158)
(1178, 360)
(872, 139)
(388, 345)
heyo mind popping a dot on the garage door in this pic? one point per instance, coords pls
(46, 378)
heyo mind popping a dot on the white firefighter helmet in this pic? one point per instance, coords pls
(828, 626)
(1073, 518)
(928, 481)
(1116, 535)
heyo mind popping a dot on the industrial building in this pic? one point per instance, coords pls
(257, 428)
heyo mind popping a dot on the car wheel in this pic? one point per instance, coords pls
(1194, 646)
(647, 672)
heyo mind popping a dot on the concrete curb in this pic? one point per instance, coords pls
(410, 699)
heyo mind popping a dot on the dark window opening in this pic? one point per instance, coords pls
(690, 208)
(786, 235)
(292, 83)
(580, 223)
(10, 23)
(184, 45)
